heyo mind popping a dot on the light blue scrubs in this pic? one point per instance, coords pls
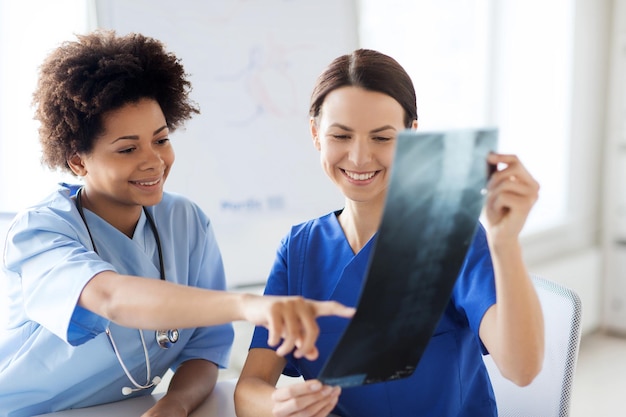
(55, 354)
(316, 261)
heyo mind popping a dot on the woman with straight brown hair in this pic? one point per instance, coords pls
(360, 102)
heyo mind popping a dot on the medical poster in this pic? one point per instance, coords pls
(432, 210)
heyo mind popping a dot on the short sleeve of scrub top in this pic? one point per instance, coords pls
(50, 287)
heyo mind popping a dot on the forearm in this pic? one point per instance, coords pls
(153, 304)
(192, 383)
(256, 393)
(253, 398)
(516, 338)
(257, 383)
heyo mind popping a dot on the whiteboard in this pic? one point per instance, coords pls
(247, 159)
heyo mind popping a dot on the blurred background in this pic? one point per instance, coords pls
(551, 76)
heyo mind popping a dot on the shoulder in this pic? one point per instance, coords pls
(476, 274)
(54, 222)
(58, 200)
(180, 219)
(171, 199)
(178, 207)
(476, 283)
(312, 236)
(302, 231)
(54, 210)
(478, 250)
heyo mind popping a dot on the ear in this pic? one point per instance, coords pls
(314, 133)
(414, 125)
(77, 165)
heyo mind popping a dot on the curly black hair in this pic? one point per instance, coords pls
(82, 80)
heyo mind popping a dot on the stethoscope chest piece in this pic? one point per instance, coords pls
(166, 338)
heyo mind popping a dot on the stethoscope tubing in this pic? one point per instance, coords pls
(164, 338)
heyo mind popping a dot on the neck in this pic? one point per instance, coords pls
(359, 222)
(123, 218)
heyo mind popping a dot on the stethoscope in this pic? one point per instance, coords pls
(164, 338)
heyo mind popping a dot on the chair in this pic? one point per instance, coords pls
(549, 394)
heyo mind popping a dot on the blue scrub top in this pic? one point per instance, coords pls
(55, 354)
(316, 261)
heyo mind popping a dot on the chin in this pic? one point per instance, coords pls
(152, 201)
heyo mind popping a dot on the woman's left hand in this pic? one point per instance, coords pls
(511, 193)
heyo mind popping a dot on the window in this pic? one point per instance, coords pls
(26, 37)
(476, 63)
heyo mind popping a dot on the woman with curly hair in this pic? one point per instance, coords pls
(114, 281)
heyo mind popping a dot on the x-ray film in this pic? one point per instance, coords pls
(431, 213)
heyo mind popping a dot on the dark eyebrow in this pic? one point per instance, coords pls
(340, 126)
(379, 129)
(159, 130)
(136, 137)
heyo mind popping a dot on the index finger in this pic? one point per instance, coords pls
(332, 308)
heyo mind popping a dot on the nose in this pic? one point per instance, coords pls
(152, 159)
(360, 152)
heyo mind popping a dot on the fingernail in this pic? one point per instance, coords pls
(315, 386)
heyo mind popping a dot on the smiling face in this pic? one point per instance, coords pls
(355, 133)
(129, 162)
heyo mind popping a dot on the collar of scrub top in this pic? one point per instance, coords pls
(155, 232)
(164, 338)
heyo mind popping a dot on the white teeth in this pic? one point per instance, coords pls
(360, 177)
(148, 183)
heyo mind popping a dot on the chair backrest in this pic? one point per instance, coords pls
(549, 394)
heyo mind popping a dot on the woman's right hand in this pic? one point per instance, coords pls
(292, 319)
(308, 399)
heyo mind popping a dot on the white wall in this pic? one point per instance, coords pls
(614, 242)
(247, 159)
(5, 221)
(579, 262)
(581, 272)
(579, 266)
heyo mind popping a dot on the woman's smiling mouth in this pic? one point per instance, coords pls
(147, 183)
(360, 176)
